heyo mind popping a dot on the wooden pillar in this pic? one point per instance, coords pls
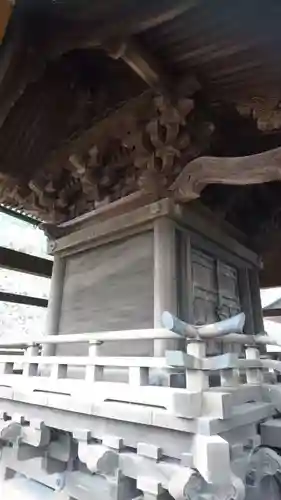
(256, 301)
(246, 300)
(165, 278)
(54, 304)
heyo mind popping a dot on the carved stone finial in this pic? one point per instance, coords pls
(185, 484)
(98, 458)
(10, 431)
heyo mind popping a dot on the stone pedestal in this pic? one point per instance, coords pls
(97, 421)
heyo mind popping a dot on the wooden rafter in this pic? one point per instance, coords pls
(149, 69)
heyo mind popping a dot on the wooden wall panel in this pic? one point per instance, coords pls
(109, 288)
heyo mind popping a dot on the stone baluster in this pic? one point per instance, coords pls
(138, 375)
(58, 371)
(94, 373)
(254, 375)
(230, 376)
(30, 369)
(196, 379)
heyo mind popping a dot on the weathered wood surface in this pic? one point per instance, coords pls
(54, 304)
(165, 278)
(110, 288)
(112, 228)
(113, 209)
(255, 169)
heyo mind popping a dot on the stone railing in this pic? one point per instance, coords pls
(65, 425)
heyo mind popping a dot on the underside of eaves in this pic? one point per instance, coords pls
(102, 100)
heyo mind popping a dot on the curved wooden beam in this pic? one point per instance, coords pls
(255, 169)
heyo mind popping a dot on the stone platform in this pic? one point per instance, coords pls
(211, 433)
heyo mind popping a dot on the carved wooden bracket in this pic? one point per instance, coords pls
(255, 169)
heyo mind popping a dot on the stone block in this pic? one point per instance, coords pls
(180, 402)
(185, 404)
(245, 394)
(6, 392)
(30, 397)
(124, 411)
(212, 458)
(82, 435)
(149, 450)
(187, 459)
(63, 402)
(241, 416)
(218, 404)
(114, 442)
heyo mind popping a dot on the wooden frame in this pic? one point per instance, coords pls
(100, 229)
(245, 270)
(168, 221)
(55, 301)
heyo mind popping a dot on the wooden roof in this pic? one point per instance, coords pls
(99, 100)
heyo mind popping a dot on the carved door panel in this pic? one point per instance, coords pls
(205, 297)
(215, 288)
(215, 292)
(228, 292)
